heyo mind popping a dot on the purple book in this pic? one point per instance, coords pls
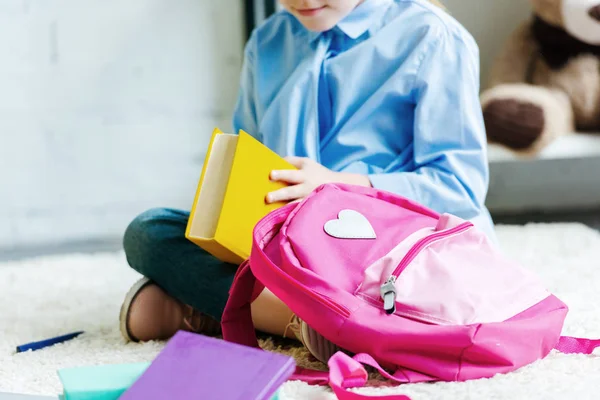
(194, 366)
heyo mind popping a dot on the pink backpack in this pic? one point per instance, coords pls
(423, 295)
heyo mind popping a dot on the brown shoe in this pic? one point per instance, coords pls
(321, 348)
(149, 313)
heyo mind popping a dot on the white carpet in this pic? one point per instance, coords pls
(45, 297)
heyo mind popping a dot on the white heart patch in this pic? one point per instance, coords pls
(350, 225)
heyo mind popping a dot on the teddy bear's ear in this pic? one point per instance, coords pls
(581, 18)
(595, 12)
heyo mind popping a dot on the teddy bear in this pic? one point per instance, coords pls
(546, 80)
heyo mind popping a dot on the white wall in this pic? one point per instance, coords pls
(106, 107)
(490, 22)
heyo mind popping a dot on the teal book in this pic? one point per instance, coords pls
(101, 382)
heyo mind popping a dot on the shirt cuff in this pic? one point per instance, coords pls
(394, 182)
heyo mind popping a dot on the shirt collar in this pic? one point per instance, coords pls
(364, 17)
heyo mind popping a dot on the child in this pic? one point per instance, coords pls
(380, 93)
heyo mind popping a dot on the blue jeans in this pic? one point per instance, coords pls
(156, 247)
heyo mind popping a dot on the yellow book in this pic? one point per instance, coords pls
(230, 198)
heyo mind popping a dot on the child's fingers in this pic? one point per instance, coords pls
(297, 162)
(288, 176)
(285, 194)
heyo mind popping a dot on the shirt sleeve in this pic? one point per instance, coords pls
(244, 114)
(450, 154)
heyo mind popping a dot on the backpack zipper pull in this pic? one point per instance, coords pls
(388, 295)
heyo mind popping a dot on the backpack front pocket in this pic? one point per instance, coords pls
(452, 276)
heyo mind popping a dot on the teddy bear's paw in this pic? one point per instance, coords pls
(513, 123)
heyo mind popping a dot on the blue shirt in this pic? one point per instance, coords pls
(391, 92)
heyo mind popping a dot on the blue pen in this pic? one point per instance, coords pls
(47, 342)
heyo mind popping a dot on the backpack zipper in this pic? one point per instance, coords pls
(388, 288)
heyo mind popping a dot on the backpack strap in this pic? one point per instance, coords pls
(346, 372)
(236, 322)
(572, 345)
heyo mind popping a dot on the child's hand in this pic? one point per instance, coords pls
(309, 175)
(302, 181)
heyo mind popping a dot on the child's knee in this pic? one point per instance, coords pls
(142, 237)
